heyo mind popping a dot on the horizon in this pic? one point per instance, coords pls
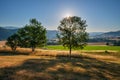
(57, 30)
(100, 15)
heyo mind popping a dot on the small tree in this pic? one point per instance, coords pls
(72, 33)
(116, 43)
(107, 43)
(13, 41)
(32, 35)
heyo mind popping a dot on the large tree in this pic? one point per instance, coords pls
(32, 35)
(72, 33)
(13, 41)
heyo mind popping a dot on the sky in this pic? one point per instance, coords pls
(100, 15)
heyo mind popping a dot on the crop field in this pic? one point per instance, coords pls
(56, 65)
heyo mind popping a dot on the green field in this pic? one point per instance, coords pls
(89, 47)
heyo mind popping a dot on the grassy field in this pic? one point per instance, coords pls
(57, 68)
(56, 65)
(89, 47)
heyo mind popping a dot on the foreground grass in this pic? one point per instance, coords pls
(57, 68)
(55, 65)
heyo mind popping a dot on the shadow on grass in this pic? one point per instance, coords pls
(10, 53)
(62, 68)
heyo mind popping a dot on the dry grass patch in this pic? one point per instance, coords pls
(55, 65)
(57, 68)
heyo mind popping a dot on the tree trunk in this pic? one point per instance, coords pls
(70, 51)
(33, 49)
(70, 37)
(14, 49)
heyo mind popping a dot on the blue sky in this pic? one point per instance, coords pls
(101, 15)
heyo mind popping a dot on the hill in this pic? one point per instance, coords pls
(5, 33)
(51, 34)
(111, 34)
(93, 34)
(10, 27)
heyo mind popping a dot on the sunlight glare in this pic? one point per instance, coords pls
(67, 15)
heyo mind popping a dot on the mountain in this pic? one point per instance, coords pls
(111, 34)
(10, 27)
(93, 34)
(5, 33)
(51, 34)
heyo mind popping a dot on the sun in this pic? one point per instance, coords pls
(67, 15)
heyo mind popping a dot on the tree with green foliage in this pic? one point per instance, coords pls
(32, 35)
(13, 41)
(72, 33)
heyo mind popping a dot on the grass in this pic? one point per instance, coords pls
(116, 48)
(57, 68)
(56, 47)
(91, 49)
(55, 65)
(88, 47)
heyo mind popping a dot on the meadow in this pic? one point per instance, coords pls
(91, 49)
(88, 47)
(47, 64)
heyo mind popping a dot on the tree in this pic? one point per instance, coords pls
(32, 35)
(107, 43)
(72, 33)
(116, 43)
(13, 41)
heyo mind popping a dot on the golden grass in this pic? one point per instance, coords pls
(101, 55)
(54, 65)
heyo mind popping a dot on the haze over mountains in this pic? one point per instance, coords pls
(7, 31)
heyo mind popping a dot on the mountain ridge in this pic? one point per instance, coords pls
(5, 32)
(110, 34)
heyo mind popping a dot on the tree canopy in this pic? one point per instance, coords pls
(13, 41)
(32, 35)
(72, 32)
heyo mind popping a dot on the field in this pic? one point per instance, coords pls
(56, 65)
(89, 47)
